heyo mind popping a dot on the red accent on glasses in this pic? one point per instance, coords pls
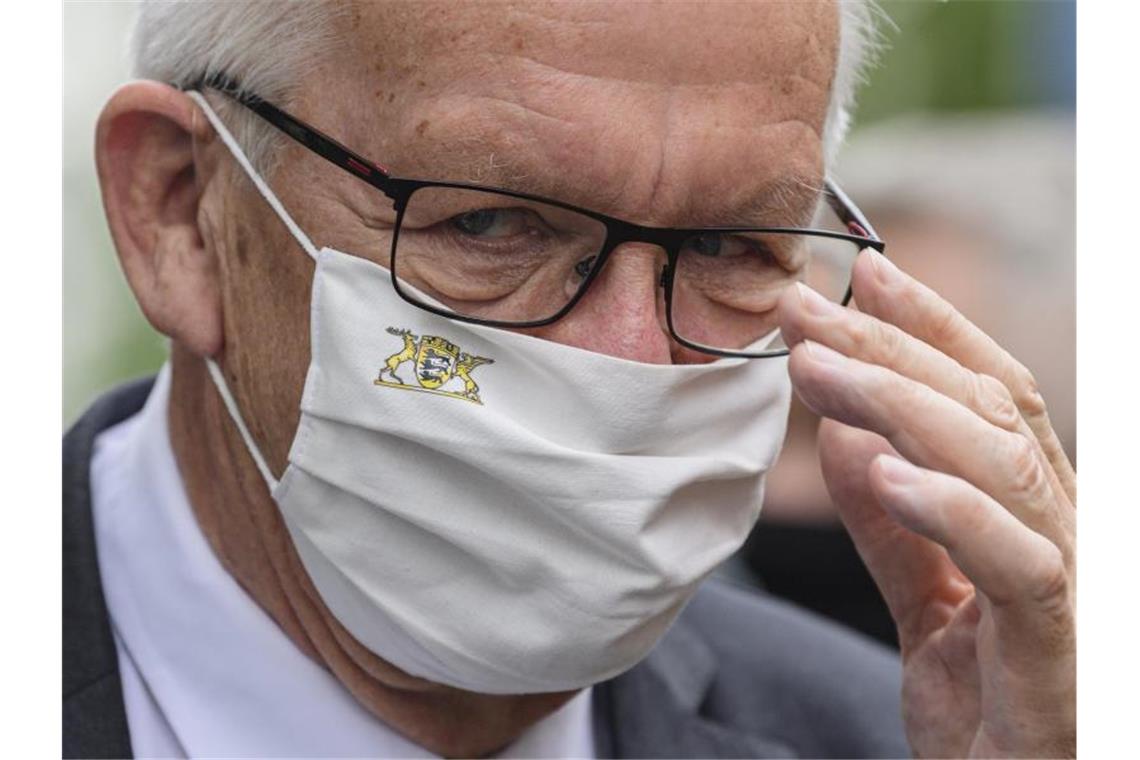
(855, 229)
(360, 168)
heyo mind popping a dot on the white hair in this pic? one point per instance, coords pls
(859, 48)
(266, 46)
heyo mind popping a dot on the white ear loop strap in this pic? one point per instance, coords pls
(303, 239)
(258, 182)
(235, 415)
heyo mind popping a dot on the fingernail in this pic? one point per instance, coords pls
(898, 472)
(821, 353)
(885, 270)
(813, 302)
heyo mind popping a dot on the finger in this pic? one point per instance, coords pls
(931, 430)
(806, 315)
(919, 585)
(885, 291)
(1021, 573)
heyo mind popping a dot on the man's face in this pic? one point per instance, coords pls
(664, 114)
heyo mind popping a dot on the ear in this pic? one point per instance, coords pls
(144, 154)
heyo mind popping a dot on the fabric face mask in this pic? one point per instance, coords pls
(501, 513)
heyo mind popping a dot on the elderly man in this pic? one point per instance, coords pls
(477, 316)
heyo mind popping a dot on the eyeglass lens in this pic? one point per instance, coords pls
(490, 256)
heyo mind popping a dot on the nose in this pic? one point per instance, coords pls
(623, 312)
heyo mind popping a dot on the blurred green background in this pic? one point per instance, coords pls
(941, 58)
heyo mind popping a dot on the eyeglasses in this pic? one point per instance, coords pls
(500, 258)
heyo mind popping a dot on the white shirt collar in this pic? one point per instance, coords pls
(206, 671)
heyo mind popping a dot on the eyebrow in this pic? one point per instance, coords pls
(787, 200)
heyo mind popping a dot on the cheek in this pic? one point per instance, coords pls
(268, 280)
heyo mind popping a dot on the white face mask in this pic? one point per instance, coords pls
(498, 512)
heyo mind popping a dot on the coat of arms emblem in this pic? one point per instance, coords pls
(438, 365)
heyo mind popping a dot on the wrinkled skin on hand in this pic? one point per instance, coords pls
(938, 452)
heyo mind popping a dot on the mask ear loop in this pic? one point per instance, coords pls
(258, 182)
(235, 415)
(295, 230)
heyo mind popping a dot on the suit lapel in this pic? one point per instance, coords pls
(94, 718)
(655, 708)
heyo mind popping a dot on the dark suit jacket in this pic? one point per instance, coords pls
(738, 675)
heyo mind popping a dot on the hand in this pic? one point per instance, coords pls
(937, 449)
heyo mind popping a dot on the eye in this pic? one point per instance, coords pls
(719, 245)
(708, 244)
(494, 222)
(583, 267)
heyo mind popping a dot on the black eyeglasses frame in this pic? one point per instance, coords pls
(618, 231)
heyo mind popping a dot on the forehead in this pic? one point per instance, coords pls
(640, 109)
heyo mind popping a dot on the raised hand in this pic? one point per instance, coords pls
(937, 449)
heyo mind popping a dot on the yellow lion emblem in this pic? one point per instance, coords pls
(439, 366)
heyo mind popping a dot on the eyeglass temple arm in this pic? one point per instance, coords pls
(310, 137)
(848, 212)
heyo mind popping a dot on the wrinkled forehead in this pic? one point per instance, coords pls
(642, 109)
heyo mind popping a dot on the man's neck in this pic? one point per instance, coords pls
(243, 526)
